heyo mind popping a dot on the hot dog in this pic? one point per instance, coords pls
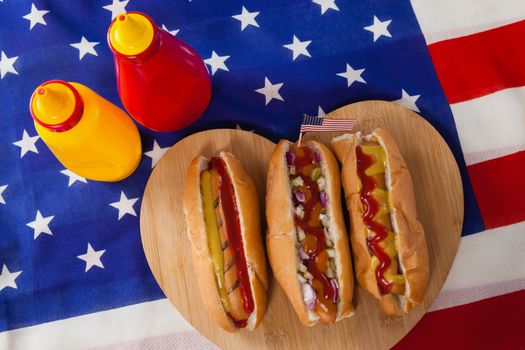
(306, 241)
(221, 208)
(388, 242)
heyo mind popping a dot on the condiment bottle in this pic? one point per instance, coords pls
(163, 82)
(88, 134)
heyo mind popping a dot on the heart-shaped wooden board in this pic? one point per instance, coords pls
(439, 198)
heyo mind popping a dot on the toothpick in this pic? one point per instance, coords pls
(300, 137)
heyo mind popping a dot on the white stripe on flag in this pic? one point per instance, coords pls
(457, 297)
(174, 341)
(491, 126)
(446, 19)
(104, 328)
(477, 157)
(488, 264)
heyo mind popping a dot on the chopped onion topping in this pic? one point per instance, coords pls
(298, 181)
(299, 195)
(322, 183)
(302, 268)
(301, 278)
(323, 197)
(309, 296)
(299, 211)
(303, 254)
(335, 286)
(317, 156)
(325, 220)
(300, 234)
(290, 158)
(308, 276)
(312, 314)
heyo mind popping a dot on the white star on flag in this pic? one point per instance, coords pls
(247, 18)
(125, 205)
(92, 257)
(7, 65)
(326, 5)
(352, 75)
(216, 62)
(116, 7)
(270, 91)
(35, 17)
(40, 225)
(173, 32)
(85, 47)
(7, 278)
(320, 112)
(408, 101)
(156, 153)
(27, 143)
(73, 177)
(379, 28)
(2, 189)
(298, 47)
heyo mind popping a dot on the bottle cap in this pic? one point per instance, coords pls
(56, 105)
(131, 33)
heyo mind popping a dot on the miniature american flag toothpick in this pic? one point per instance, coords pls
(312, 123)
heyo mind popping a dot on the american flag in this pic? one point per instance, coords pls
(72, 270)
(312, 123)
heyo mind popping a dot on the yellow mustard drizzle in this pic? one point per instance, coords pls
(380, 164)
(385, 208)
(390, 246)
(214, 241)
(396, 279)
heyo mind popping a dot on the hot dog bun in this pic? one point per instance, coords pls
(249, 214)
(410, 237)
(282, 233)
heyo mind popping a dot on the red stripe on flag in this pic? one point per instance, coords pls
(494, 323)
(479, 64)
(499, 187)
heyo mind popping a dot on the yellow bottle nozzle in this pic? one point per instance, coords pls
(56, 105)
(131, 33)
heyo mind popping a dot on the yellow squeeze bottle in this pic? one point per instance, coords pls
(88, 134)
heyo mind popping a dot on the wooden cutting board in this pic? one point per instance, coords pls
(439, 197)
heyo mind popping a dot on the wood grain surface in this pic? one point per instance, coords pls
(439, 197)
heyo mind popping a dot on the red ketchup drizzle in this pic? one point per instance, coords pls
(239, 323)
(371, 208)
(328, 291)
(300, 162)
(233, 230)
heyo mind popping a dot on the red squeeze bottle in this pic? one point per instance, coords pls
(163, 82)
